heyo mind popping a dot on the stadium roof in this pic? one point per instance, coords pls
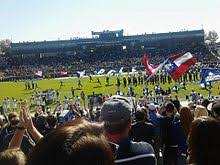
(22, 47)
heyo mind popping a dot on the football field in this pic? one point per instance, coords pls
(18, 91)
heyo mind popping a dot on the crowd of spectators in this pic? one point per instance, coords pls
(123, 130)
(106, 57)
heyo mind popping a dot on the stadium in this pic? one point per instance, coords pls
(107, 49)
(111, 98)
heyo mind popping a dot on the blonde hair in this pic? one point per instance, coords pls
(12, 157)
(200, 111)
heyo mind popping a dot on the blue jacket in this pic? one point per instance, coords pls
(155, 119)
(181, 138)
(169, 134)
(138, 153)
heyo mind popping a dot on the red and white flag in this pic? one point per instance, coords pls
(150, 69)
(63, 73)
(178, 64)
(39, 73)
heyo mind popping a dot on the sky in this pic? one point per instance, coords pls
(38, 20)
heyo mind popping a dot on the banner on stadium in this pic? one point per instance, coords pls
(178, 64)
(210, 75)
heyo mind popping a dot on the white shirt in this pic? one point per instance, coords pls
(160, 99)
(151, 99)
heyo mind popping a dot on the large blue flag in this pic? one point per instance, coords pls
(210, 75)
(111, 72)
(99, 71)
(120, 69)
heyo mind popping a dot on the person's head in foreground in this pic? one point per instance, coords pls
(81, 144)
(186, 119)
(216, 110)
(170, 109)
(204, 141)
(141, 114)
(200, 111)
(12, 157)
(116, 114)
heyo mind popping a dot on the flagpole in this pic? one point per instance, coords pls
(159, 68)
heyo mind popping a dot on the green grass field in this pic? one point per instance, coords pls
(16, 89)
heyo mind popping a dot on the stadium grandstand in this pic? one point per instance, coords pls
(108, 38)
(106, 49)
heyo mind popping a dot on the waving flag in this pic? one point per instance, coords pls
(120, 70)
(210, 75)
(150, 69)
(81, 74)
(96, 70)
(39, 73)
(178, 64)
(111, 72)
(63, 73)
(99, 71)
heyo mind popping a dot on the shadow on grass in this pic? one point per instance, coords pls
(28, 93)
(109, 85)
(97, 86)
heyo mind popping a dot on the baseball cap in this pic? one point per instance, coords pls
(116, 109)
(152, 107)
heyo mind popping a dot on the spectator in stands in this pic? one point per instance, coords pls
(13, 119)
(141, 130)
(19, 138)
(176, 103)
(76, 144)
(205, 103)
(26, 143)
(41, 122)
(1, 129)
(182, 128)
(12, 157)
(216, 110)
(168, 135)
(204, 141)
(155, 118)
(116, 115)
(1, 123)
(200, 111)
(162, 110)
(51, 123)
